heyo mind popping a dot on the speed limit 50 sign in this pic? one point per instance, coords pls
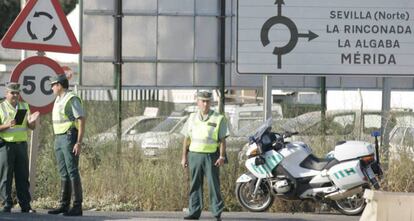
(33, 75)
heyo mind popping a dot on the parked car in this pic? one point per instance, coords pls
(401, 141)
(340, 125)
(241, 116)
(132, 130)
(165, 135)
(242, 119)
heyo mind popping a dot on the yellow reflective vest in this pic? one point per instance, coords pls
(17, 133)
(61, 121)
(204, 134)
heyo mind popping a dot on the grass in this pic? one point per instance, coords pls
(140, 184)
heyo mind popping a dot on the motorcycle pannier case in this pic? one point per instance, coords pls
(347, 175)
(353, 149)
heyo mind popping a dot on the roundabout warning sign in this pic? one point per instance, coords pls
(41, 26)
(325, 37)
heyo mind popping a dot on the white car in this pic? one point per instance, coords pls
(242, 119)
(132, 130)
(341, 125)
(165, 135)
(401, 141)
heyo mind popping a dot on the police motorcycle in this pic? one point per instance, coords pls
(290, 171)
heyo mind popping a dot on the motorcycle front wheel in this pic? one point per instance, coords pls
(258, 203)
(351, 206)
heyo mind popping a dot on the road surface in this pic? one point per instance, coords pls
(42, 215)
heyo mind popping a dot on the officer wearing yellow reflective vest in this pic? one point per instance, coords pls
(204, 151)
(13, 149)
(68, 125)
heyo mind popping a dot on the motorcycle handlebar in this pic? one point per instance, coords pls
(289, 134)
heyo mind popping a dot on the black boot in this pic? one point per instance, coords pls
(64, 200)
(76, 210)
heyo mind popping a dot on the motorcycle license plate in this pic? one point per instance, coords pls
(370, 173)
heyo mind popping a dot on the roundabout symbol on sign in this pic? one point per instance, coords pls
(33, 75)
(53, 29)
(294, 35)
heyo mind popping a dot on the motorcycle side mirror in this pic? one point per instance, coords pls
(251, 140)
(259, 161)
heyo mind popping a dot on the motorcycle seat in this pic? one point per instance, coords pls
(314, 163)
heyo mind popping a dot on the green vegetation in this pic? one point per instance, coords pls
(8, 12)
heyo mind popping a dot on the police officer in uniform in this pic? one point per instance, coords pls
(204, 152)
(14, 158)
(68, 126)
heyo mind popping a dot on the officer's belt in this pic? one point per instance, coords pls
(70, 130)
(17, 142)
(61, 121)
(215, 152)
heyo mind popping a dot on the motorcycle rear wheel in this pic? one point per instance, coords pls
(259, 203)
(351, 206)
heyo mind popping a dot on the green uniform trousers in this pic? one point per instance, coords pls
(67, 162)
(14, 160)
(203, 164)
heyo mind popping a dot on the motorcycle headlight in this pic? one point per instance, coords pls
(252, 151)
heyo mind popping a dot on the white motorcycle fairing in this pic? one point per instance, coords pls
(272, 159)
(244, 178)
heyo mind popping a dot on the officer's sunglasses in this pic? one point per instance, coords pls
(14, 92)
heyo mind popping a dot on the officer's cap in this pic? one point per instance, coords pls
(57, 79)
(13, 86)
(204, 95)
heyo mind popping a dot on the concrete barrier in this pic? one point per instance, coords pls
(388, 206)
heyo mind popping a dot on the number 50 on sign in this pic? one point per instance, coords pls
(33, 75)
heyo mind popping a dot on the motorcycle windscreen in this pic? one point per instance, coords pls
(347, 175)
(272, 159)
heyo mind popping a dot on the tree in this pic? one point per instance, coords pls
(8, 12)
(68, 5)
(9, 9)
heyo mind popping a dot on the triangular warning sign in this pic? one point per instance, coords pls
(41, 26)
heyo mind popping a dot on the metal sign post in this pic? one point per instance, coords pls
(34, 147)
(386, 106)
(118, 73)
(267, 95)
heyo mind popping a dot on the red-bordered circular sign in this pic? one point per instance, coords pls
(33, 76)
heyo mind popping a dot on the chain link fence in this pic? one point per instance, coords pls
(159, 183)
